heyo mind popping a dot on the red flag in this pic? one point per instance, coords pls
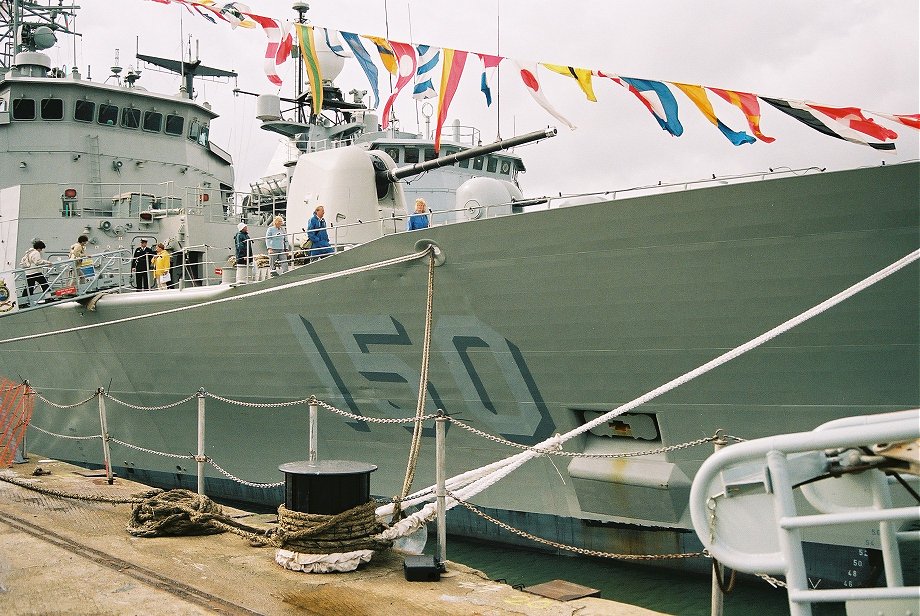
(406, 63)
(853, 117)
(912, 120)
(749, 105)
(823, 123)
(451, 70)
(279, 46)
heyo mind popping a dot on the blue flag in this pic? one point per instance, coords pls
(659, 100)
(364, 59)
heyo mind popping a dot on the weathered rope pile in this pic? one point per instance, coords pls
(182, 512)
(174, 513)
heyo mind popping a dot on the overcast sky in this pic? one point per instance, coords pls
(845, 53)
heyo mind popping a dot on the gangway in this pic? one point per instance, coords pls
(68, 280)
(744, 512)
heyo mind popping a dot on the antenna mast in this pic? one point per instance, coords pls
(301, 8)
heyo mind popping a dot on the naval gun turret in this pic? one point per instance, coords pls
(361, 188)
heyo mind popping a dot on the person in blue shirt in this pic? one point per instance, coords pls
(419, 220)
(316, 231)
(277, 244)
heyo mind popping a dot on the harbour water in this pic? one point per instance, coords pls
(667, 591)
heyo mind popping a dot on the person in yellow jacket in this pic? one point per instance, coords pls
(161, 266)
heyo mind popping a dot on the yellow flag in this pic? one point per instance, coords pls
(582, 75)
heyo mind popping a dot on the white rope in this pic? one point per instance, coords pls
(290, 285)
(506, 466)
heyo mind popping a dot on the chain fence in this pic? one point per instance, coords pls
(572, 548)
(312, 400)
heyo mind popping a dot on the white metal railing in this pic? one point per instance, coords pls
(731, 489)
(72, 278)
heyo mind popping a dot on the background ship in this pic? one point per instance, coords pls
(542, 320)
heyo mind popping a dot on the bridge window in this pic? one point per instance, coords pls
(392, 153)
(477, 163)
(492, 164)
(84, 111)
(52, 109)
(23, 109)
(174, 124)
(505, 167)
(108, 114)
(430, 154)
(465, 163)
(198, 132)
(153, 121)
(131, 118)
(411, 155)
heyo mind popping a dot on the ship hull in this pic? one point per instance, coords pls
(540, 321)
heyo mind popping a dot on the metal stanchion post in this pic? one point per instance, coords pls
(22, 454)
(717, 569)
(440, 433)
(103, 423)
(200, 458)
(313, 435)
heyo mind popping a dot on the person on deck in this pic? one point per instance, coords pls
(419, 220)
(140, 265)
(277, 244)
(161, 267)
(316, 231)
(34, 265)
(80, 259)
(243, 247)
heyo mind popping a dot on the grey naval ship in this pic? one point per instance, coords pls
(544, 317)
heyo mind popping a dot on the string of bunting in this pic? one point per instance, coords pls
(418, 63)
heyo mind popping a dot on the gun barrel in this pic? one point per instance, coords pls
(393, 175)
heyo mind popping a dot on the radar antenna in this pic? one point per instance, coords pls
(189, 69)
(32, 26)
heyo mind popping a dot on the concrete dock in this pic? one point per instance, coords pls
(68, 556)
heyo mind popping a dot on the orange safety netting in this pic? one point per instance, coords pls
(16, 405)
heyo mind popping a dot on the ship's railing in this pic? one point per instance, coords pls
(733, 491)
(142, 204)
(116, 200)
(199, 265)
(73, 278)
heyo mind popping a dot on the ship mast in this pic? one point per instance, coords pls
(301, 8)
(35, 31)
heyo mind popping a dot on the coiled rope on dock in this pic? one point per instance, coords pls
(183, 512)
(313, 543)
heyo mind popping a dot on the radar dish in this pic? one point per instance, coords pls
(44, 37)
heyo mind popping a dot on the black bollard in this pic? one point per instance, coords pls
(326, 487)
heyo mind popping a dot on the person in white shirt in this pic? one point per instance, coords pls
(277, 244)
(34, 264)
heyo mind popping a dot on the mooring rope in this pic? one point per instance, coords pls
(10, 477)
(477, 480)
(416, 446)
(321, 278)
